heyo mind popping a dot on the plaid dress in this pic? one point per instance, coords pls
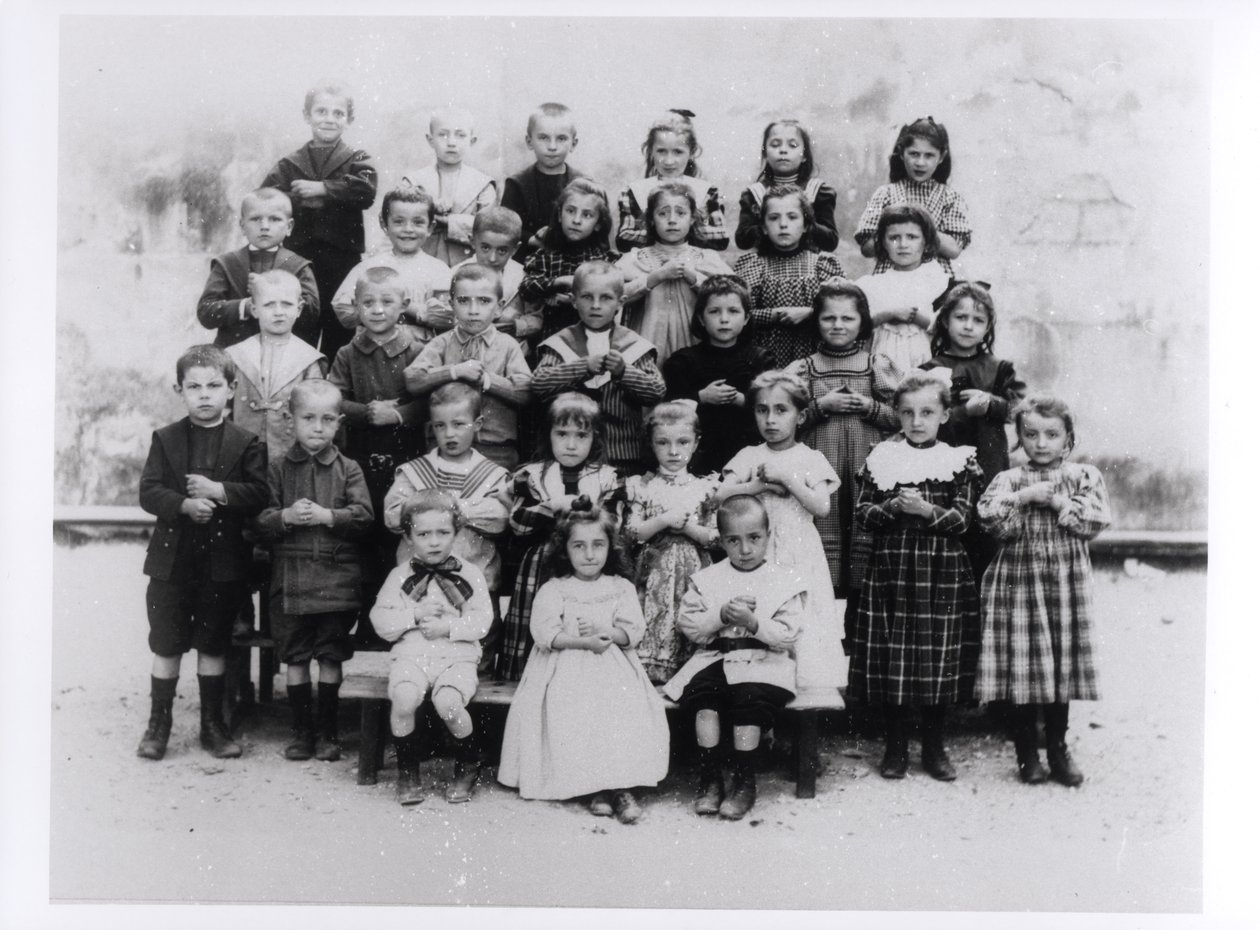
(785, 279)
(919, 609)
(1037, 640)
(539, 284)
(944, 204)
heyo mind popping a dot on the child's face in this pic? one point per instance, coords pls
(777, 417)
(476, 305)
(454, 430)
(597, 298)
(1044, 439)
(379, 306)
(921, 414)
(672, 219)
(407, 226)
(904, 244)
(587, 548)
(205, 391)
(315, 423)
(431, 536)
(839, 322)
(579, 215)
(967, 325)
(450, 138)
(746, 538)
(783, 222)
(674, 444)
(785, 150)
(277, 306)
(494, 249)
(265, 222)
(571, 444)
(724, 318)
(921, 159)
(551, 141)
(328, 118)
(670, 154)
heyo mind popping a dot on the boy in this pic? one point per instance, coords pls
(434, 609)
(496, 232)
(407, 218)
(604, 360)
(203, 479)
(477, 353)
(460, 190)
(272, 362)
(743, 614)
(331, 185)
(318, 506)
(551, 136)
(266, 218)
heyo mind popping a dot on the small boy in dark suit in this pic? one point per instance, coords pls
(532, 192)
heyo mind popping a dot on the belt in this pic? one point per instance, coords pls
(344, 554)
(732, 644)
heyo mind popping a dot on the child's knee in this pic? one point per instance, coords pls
(448, 703)
(406, 696)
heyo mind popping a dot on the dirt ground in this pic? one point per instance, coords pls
(261, 829)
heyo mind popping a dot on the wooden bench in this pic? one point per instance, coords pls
(366, 679)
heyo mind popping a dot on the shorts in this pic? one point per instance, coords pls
(302, 637)
(432, 672)
(192, 614)
(746, 704)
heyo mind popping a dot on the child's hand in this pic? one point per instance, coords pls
(773, 473)
(912, 502)
(737, 613)
(383, 413)
(197, 509)
(676, 519)
(435, 626)
(614, 363)
(975, 402)
(845, 402)
(437, 316)
(595, 363)
(718, 393)
(563, 283)
(443, 206)
(904, 314)
(247, 305)
(1041, 494)
(792, 316)
(307, 190)
(428, 606)
(598, 643)
(471, 370)
(202, 487)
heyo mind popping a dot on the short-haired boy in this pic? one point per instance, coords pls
(459, 189)
(270, 363)
(434, 609)
(551, 135)
(496, 233)
(331, 185)
(604, 360)
(266, 218)
(203, 479)
(407, 215)
(318, 508)
(744, 615)
(478, 354)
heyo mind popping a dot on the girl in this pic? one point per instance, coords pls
(917, 171)
(915, 496)
(795, 483)
(671, 151)
(849, 411)
(717, 371)
(783, 275)
(787, 157)
(661, 278)
(1037, 644)
(569, 475)
(901, 301)
(578, 233)
(671, 520)
(585, 719)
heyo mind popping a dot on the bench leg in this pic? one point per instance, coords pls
(806, 753)
(267, 665)
(371, 746)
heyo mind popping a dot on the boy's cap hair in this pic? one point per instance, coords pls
(551, 111)
(430, 500)
(474, 272)
(719, 285)
(740, 505)
(599, 269)
(333, 90)
(268, 195)
(457, 115)
(314, 390)
(406, 192)
(205, 356)
(379, 274)
(457, 392)
(502, 220)
(276, 277)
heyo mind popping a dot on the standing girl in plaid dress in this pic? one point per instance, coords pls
(1037, 642)
(783, 275)
(918, 168)
(915, 495)
(568, 476)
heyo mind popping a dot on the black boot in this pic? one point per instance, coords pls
(743, 786)
(158, 733)
(467, 768)
(214, 733)
(935, 759)
(302, 746)
(328, 743)
(407, 750)
(709, 797)
(1062, 768)
(896, 761)
(1031, 771)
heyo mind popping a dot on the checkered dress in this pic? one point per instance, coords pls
(779, 279)
(539, 284)
(944, 204)
(919, 603)
(1037, 640)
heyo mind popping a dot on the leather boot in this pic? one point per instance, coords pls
(935, 759)
(302, 746)
(896, 761)
(407, 750)
(1062, 768)
(467, 768)
(743, 787)
(711, 792)
(214, 733)
(327, 741)
(1031, 771)
(158, 732)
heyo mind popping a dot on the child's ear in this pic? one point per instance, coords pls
(946, 415)
(178, 389)
(288, 229)
(498, 308)
(573, 144)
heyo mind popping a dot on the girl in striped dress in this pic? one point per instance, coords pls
(1037, 641)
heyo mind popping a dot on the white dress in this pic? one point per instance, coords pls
(796, 545)
(906, 345)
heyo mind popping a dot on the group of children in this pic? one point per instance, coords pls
(713, 456)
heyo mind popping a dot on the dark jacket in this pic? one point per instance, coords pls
(338, 220)
(220, 304)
